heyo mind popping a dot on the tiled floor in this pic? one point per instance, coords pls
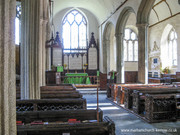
(127, 123)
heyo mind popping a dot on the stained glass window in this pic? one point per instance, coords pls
(74, 32)
(172, 47)
(130, 45)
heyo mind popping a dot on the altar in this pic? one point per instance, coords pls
(77, 78)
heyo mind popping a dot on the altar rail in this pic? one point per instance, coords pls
(93, 79)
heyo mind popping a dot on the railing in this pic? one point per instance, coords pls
(78, 79)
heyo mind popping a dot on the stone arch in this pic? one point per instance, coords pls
(144, 11)
(123, 17)
(65, 12)
(108, 40)
(120, 26)
(142, 24)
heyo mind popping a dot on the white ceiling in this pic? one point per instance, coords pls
(100, 8)
(163, 9)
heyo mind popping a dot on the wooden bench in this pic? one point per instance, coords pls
(49, 92)
(139, 97)
(160, 107)
(50, 104)
(145, 105)
(52, 88)
(177, 98)
(60, 94)
(116, 91)
(58, 123)
(58, 87)
(128, 91)
(156, 80)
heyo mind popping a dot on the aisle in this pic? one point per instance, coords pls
(127, 123)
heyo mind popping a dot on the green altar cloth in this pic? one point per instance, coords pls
(77, 78)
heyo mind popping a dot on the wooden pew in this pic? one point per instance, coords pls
(60, 95)
(177, 98)
(57, 87)
(160, 107)
(128, 91)
(58, 123)
(50, 92)
(116, 92)
(50, 104)
(145, 105)
(139, 96)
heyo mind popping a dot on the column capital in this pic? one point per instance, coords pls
(43, 22)
(142, 25)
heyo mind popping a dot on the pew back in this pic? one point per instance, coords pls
(57, 123)
(50, 104)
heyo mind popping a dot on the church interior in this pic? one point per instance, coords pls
(89, 67)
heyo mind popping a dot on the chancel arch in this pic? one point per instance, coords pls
(78, 33)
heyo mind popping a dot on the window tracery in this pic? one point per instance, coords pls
(130, 45)
(74, 32)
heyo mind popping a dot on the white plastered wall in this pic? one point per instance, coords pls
(156, 33)
(90, 18)
(131, 24)
(113, 19)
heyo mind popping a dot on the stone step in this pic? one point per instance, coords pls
(90, 91)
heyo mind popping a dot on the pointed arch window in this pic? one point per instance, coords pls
(74, 32)
(172, 47)
(130, 45)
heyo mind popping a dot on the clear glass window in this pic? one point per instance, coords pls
(74, 32)
(17, 24)
(130, 46)
(172, 47)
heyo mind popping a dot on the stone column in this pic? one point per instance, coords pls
(120, 57)
(40, 52)
(48, 50)
(7, 68)
(142, 53)
(44, 51)
(107, 42)
(30, 49)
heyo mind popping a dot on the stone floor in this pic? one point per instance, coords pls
(128, 123)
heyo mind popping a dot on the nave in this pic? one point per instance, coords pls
(52, 42)
(127, 123)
